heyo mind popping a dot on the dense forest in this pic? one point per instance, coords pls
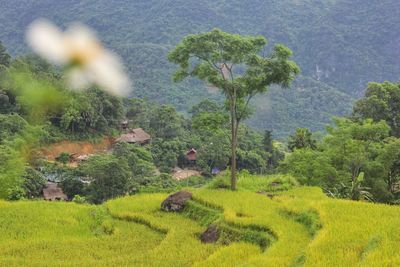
(340, 46)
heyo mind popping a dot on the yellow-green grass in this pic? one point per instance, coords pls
(181, 245)
(310, 229)
(353, 233)
(66, 234)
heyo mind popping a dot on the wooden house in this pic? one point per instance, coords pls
(191, 155)
(135, 136)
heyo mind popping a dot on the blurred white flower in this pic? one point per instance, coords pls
(78, 48)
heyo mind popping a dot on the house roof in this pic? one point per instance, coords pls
(191, 151)
(53, 192)
(134, 136)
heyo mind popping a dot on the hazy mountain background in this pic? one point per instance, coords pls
(340, 45)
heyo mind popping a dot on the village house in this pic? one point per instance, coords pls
(135, 136)
(52, 192)
(191, 156)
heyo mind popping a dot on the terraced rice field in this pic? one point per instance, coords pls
(298, 227)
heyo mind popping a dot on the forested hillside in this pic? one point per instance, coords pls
(339, 45)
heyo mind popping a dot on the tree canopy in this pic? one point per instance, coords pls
(233, 64)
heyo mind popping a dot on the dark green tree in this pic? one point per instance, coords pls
(140, 161)
(72, 185)
(381, 102)
(268, 142)
(302, 138)
(166, 122)
(389, 158)
(233, 64)
(33, 183)
(205, 106)
(110, 177)
(5, 58)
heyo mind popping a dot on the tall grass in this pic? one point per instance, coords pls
(308, 229)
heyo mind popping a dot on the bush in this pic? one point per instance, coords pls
(16, 193)
(221, 183)
(63, 158)
(72, 186)
(110, 177)
(166, 180)
(33, 183)
(79, 200)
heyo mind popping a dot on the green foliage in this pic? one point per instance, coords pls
(16, 193)
(166, 152)
(79, 200)
(38, 96)
(268, 142)
(310, 167)
(140, 162)
(63, 157)
(362, 52)
(221, 182)
(387, 167)
(33, 183)
(251, 161)
(214, 150)
(15, 152)
(5, 58)
(11, 125)
(351, 162)
(219, 53)
(381, 102)
(72, 186)
(302, 139)
(109, 177)
(91, 111)
(166, 122)
(205, 106)
(233, 64)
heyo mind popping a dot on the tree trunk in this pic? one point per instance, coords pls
(233, 162)
(234, 127)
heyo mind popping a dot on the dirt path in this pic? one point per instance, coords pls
(182, 174)
(77, 148)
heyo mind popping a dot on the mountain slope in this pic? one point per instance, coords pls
(339, 44)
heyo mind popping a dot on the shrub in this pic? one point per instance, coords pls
(110, 177)
(72, 186)
(221, 183)
(16, 193)
(79, 200)
(33, 183)
(63, 157)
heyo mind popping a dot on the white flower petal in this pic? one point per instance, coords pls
(47, 41)
(80, 50)
(78, 79)
(82, 41)
(107, 72)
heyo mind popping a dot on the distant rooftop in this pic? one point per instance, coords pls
(53, 192)
(135, 136)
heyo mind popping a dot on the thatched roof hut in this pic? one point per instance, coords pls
(53, 192)
(135, 136)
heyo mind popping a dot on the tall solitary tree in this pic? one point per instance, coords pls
(235, 65)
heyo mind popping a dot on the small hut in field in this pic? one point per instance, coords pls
(135, 136)
(52, 192)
